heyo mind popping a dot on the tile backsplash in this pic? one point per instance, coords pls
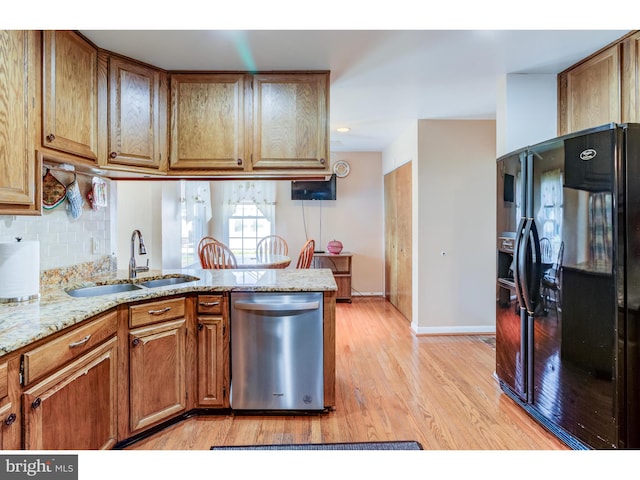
(64, 241)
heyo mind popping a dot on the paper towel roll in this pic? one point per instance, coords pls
(19, 270)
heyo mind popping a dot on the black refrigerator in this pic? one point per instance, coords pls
(568, 284)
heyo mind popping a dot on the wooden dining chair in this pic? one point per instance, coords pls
(217, 255)
(203, 241)
(272, 245)
(306, 255)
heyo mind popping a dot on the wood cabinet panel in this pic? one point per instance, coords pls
(154, 312)
(54, 354)
(75, 408)
(157, 366)
(290, 121)
(135, 113)
(398, 242)
(70, 94)
(20, 173)
(630, 85)
(589, 94)
(207, 121)
(213, 363)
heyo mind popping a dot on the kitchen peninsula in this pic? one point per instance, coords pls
(134, 360)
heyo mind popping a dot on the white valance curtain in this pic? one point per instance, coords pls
(262, 193)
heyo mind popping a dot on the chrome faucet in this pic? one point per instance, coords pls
(142, 250)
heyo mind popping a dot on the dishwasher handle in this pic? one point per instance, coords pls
(276, 307)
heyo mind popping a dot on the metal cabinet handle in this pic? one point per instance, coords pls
(51, 137)
(10, 419)
(239, 161)
(209, 304)
(113, 154)
(36, 403)
(135, 341)
(159, 312)
(80, 342)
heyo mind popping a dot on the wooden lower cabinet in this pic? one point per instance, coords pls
(75, 407)
(157, 373)
(10, 415)
(213, 352)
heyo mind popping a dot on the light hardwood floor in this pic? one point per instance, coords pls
(391, 385)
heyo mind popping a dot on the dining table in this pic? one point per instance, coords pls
(252, 261)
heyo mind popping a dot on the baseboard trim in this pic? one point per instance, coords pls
(454, 330)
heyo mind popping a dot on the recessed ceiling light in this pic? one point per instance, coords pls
(343, 129)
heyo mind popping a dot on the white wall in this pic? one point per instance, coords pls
(139, 207)
(526, 112)
(456, 227)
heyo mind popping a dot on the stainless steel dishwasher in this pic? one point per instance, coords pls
(277, 351)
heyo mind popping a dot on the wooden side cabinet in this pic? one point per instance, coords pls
(157, 363)
(589, 93)
(208, 122)
(340, 265)
(213, 351)
(75, 407)
(136, 114)
(290, 121)
(20, 176)
(70, 94)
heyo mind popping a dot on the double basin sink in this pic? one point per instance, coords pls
(109, 288)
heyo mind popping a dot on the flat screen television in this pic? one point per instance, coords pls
(314, 189)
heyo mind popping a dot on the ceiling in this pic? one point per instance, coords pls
(382, 81)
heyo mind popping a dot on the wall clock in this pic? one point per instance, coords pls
(341, 168)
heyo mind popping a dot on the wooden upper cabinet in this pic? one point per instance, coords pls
(589, 93)
(136, 114)
(290, 121)
(631, 78)
(70, 96)
(207, 121)
(20, 173)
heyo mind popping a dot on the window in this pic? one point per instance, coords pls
(195, 212)
(247, 225)
(249, 214)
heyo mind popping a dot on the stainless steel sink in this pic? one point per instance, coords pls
(162, 282)
(102, 289)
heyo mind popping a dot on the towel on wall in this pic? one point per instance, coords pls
(75, 199)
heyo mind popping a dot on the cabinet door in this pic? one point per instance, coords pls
(207, 121)
(134, 114)
(590, 92)
(398, 246)
(20, 175)
(10, 419)
(213, 367)
(290, 121)
(75, 408)
(70, 95)
(157, 366)
(631, 79)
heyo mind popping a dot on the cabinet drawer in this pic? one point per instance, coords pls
(213, 304)
(4, 382)
(55, 353)
(153, 312)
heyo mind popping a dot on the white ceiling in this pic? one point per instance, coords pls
(382, 81)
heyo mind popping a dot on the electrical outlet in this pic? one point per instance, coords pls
(95, 246)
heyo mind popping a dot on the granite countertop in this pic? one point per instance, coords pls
(24, 323)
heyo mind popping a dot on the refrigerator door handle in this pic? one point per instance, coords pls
(529, 266)
(516, 264)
